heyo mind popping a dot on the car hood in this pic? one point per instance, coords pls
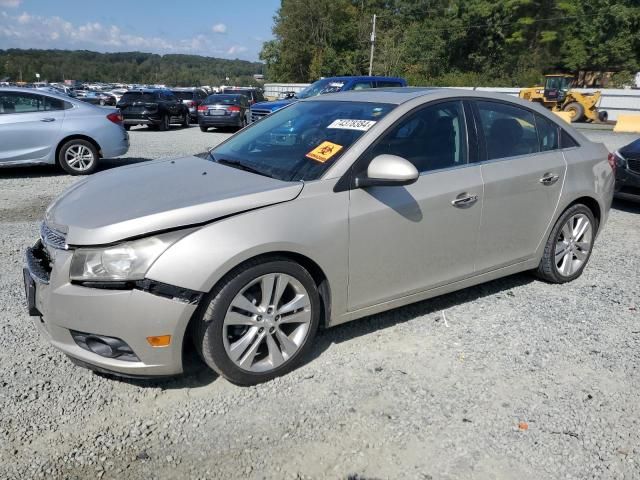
(160, 195)
(273, 106)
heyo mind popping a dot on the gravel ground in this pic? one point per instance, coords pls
(512, 379)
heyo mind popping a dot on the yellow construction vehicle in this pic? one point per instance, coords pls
(557, 95)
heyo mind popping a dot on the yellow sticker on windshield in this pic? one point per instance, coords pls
(324, 151)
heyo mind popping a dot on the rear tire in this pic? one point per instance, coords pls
(249, 337)
(187, 120)
(203, 128)
(569, 245)
(164, 124)
(78, 157)
(576, 110)
(127, 127)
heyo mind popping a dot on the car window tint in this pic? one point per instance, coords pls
(548, 134)
(431, 139)
(362, 85)
(13, 102)
(387, 83)
(508, 131)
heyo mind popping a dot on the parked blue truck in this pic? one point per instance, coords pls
(326, 85)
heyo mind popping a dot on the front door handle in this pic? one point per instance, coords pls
(47, 119)
(464, 200)
(549, 179)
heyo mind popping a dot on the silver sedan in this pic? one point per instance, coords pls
(329, 210)
(40, 127)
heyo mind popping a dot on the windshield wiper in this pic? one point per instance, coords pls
(241, 166)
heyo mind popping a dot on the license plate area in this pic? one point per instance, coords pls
(216, 113)
(30, 293)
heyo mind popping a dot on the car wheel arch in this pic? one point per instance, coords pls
(76, 137)
(591, 203)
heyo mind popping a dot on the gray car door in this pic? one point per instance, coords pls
(408, 239)
(29, 126)
(523, 175)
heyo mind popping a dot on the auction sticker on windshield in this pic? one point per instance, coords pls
(324, 151)
(348, 124)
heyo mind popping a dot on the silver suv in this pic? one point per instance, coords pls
(331, 209)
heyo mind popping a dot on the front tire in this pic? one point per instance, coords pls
(203, 128)
(164, 124)
(569, 245)
(576, 111)
(186, 121)
(78, 157)
(259, 322)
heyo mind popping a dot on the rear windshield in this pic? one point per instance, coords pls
(184, 95)
(234, 90)
(131, 97)
(223, 99)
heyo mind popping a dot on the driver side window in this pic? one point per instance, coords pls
(432, 138)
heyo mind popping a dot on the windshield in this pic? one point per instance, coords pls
(320, 87)
(222, 99)
(184, 95)
(131, 97)
(302, 141)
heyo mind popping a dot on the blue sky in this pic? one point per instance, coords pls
(215, 28)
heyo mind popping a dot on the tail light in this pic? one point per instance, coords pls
(612, 161)
(190, 104)
(202, 108)
(233, 108)
(115, 117)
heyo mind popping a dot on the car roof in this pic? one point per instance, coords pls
(395, 95)
(363, 77)
(148, 90)
(37, 91)
(185, 89)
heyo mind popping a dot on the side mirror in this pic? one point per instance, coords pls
(388, 170)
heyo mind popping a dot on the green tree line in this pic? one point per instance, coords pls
(127, 67)
(454, 42)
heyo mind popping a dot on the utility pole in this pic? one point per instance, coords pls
(373, 42)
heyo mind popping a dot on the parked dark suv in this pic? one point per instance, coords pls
(253, 94)
(156, 108)
(192, 98)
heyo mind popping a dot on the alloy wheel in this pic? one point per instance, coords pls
(267, 322)
(79, 157)
(573, 245)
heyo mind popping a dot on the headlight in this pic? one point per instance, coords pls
(122, 262)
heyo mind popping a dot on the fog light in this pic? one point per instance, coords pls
(108, 347)
(159, 341)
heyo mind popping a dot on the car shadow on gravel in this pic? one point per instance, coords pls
(628, 206)
(381, 321)
(41, 171)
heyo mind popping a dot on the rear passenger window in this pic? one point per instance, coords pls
(566, 140)
(431, 138)
(548, 134)
(508, 131)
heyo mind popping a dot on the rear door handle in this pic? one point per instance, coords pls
(549, 179)
(47, 119)
(464, 200)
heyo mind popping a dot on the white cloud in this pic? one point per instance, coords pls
(10, 3)
(33, 31)
(234, 50)
(219, 28)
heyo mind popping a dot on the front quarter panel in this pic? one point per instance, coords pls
(313, 225)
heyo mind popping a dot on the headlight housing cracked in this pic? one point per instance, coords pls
(127, 261)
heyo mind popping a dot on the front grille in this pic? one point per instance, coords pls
(634, 165)
(259, 114)
(38, 263)
(52, 238)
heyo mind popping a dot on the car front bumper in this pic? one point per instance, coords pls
(63, 309)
